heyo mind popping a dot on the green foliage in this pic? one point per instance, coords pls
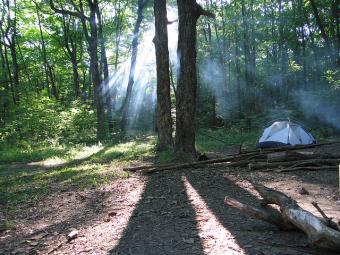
(333, 79)
(42, 121)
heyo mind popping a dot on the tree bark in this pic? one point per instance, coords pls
(93, 48)
(164, 121)
(189, 12)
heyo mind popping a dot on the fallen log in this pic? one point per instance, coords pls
(245, 155)
(318, 232)
(241, 163)
(233, 158)
(264, 213)
(298, 155)
(265, 165)
(306, 168)
(287, 155)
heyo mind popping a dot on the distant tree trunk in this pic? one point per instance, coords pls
(92, 40)
(189, 12)
(105, 69)
(246, 47)
(95, 74)
(283, 54)
(8, 31)
(70, 44)
(323, 31)
(126, 102)
(43, 51)
(221, 56)
(238, 70)
(15, 71)
(3, 95)
(118, 28)
(164, 121)
(9, 75)
(25, 67)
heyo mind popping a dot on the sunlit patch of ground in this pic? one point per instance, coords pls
(216, 239)
(100, 215)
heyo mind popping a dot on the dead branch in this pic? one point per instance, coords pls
(329, 221)
(318, 232)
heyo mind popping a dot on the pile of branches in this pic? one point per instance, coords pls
(277, 159)
(296, 160)
(321, 232)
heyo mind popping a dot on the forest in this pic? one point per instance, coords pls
(136, 126)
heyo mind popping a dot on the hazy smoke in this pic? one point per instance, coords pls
(324, 109)
(143, 99)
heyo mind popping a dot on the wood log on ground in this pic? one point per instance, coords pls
(310, 162)
(245, 155)
(318, 232)
(305, 168)
(241, 163)
(298, 155)
(232, 158)
(264, 213)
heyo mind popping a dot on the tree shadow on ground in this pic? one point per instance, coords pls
(252, 235)
(163, 222)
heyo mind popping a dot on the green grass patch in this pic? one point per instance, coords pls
(12, 154)
(80, 168)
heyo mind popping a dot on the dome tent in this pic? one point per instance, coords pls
(284, 133)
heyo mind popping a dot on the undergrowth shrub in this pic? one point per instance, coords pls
(44, 121)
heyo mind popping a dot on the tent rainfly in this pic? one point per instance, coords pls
(284, 133)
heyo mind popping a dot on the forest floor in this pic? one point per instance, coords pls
(171, 212)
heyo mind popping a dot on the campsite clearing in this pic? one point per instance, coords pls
(169, 212)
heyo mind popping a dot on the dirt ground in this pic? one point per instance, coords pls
(173, 212)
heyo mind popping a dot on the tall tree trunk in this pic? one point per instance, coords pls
(43, 51)
(126, 102)
(238, 70)
(164, 121)
(246, 47)
(189, 12)
(323, 31)
(105, 69)
(283, 54)
(3, 95)
(15, 72)
(25, 67)
(9, 75)
(118, 28)
(95, 74)
(70, 44)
